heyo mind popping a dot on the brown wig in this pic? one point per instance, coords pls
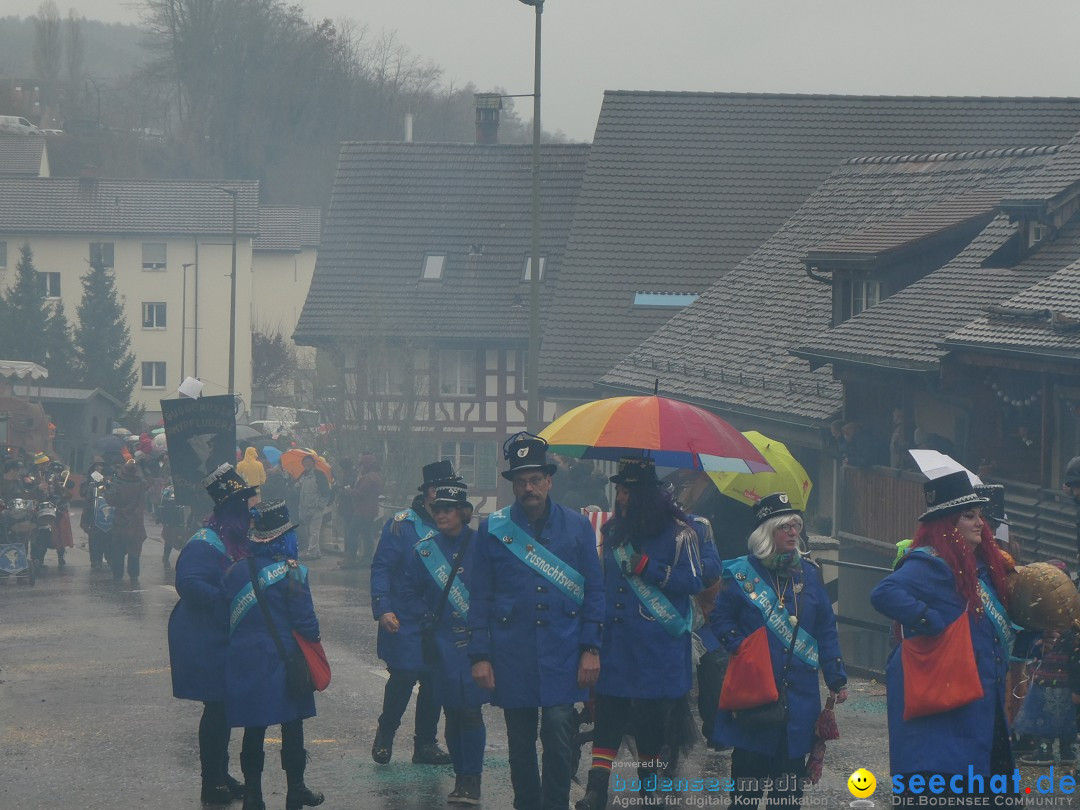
(943, 537)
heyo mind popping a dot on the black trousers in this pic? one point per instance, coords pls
(396, 696)
(214, 743)
(644, 718)
(778, 775)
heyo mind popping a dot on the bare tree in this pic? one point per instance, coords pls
(47, 41)
(74, 47)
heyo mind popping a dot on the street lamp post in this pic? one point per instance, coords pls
(183, 325)
(532, 372)
(232, 192)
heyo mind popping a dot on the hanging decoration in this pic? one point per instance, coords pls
(1009, 398)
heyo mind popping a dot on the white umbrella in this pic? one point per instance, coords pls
(121, 432)
(934, 465)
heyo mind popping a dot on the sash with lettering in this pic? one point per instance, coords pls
(536, 556)
(423, 531)
(762, 596)
(246, 599)
(435, 563)
(658, 605)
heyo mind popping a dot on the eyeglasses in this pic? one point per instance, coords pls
(793, 526)
(534, 481)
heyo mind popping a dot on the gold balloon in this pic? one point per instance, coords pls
(1042, 597)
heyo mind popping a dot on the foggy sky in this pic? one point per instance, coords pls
(915, 47)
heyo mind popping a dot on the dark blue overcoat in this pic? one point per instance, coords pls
(532, 632)
(254, 672)
(453, 681)
(199, 624)
(639, 658)
(400, 650)
(735, 618)
(921, 594)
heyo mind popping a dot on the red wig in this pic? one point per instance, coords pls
(943, 537)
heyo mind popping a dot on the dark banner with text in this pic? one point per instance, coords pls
(201, 434)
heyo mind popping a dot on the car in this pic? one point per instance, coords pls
(17, 125)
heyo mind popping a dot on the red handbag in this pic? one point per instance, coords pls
(749, 681)
(316, 661)
(939, 671)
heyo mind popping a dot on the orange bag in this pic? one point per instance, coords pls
(749, 681)
(315, 656)
(939, 671)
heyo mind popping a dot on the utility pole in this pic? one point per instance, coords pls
(232, 192)
(533, 369)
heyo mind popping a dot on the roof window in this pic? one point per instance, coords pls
(670, 300)
(433, 266)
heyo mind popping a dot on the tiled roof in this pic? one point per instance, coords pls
(395, 203)
(681, 187)
(730, 349)
(1055, 178)
(21, 155)
(288, 228)
(106, 206)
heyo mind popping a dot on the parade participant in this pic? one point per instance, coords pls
(445, 555)
(269, 599)
(199, 625)
(313, 493)
(127, 496)
(652, 569)
(535, 622)
(399, 624)
(55, 485)
(91, 488)
(360, 508)
(777, 588)
(953, 570)
(251, 469)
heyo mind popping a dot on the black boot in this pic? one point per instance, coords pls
(470, 789)
(252, 766)
(383, 747)
(299, 795)
(649, 780)
(595, 797)
(455, 794)
(429, 753)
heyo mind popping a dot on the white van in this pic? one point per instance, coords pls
(15, 125)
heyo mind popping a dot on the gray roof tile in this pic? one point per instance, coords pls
(21, 155)
(288, 228)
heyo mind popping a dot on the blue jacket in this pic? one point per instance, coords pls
(400, 650)
(533, 633)
(254, 672)
(734, 618)
(639, 658)
(921, 594)
(453, 681)
(199, 624)
(711, 569)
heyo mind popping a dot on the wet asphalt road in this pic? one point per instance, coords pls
(87, 719)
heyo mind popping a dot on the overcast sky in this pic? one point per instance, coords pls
(914, 47)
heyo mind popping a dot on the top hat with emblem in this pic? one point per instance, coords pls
(225, 483)
(271, 520)
(452, 495)
(130, 469)
(774, 505)
(438, 473)
(950, 494)
(526, 452)
(635, 471)
(995, 509)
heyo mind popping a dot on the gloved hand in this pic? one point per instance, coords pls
(636, 564)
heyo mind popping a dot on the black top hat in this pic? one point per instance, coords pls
(995, 509)
(225, 483)
(452, 496)
(636, 470)
(949, 494)
(774, 505)
(271, 521)
(439, 472)
(525, 452)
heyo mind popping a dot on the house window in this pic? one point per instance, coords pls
(673, 300)
(49, 284)
(3, 255)
(388, 381)
(864, 294)
(153, 256)
(433, 266)
(474, 461)
(153, 375)
(153, 315)
(526, 274)
(457, 372)
(101, 254)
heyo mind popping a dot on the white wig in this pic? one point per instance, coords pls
(760, 541)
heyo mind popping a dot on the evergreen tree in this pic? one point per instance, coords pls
(102, 338)
(24, 315)
(60, 357)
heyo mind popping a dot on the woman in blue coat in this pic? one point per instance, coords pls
(256, 695)
(199, 625)
(652, 569)
(447, 619)
(772, 587)
(954, 567)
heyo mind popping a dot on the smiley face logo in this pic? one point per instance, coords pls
(861, 783)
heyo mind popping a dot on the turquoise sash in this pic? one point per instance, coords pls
(761, 595)
(423, 531)
(536, 556)
(654, 600)
(209, 536)
(246, 599)
(435, 563)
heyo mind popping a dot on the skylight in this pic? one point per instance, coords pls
(675, 300)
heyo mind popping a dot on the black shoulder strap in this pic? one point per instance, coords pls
(265, 610)
(450, 579)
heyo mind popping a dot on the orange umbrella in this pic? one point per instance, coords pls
(292, 461)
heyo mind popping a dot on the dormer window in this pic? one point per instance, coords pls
(864, 294)
(433, 267)
(1037, 232)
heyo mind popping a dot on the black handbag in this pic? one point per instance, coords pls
(774, 714)
(429, 650)
(297, 675)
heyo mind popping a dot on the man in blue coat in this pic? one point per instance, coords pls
(399, 624)
(535, 622)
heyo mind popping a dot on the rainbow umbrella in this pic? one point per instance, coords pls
(786, 475)
(672, 433)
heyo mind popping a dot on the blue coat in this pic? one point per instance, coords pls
(639, 658)
(921, 594)
(734, 618)
(453, 681)
(400, 650)
(533, 633)
(254, 672)
(199, 624)
(711, 568)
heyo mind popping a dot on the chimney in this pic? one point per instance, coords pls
(488, 106)
(88, 177)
